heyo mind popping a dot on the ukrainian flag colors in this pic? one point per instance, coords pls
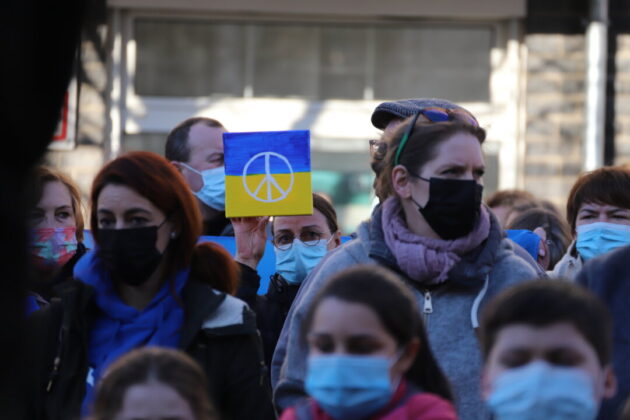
(268, 174)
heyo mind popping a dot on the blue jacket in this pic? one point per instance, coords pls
(608, 277)
(450, 323)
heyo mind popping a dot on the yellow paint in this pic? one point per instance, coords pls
(239, 203)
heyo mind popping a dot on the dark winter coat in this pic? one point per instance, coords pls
(271, 309)
(608, 277)
(219, 332)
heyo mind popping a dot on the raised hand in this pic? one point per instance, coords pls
(251, 238)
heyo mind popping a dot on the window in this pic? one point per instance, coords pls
(312, 61)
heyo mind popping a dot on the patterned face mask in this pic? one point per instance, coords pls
(53, 247)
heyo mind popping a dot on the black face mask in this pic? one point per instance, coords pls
(453, 206)
(129, 254)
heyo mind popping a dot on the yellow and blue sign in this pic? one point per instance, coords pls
(268, 173)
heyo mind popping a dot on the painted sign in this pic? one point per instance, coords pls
(268, 174)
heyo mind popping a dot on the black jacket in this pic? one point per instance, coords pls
(219, 332)
(271, 309)
(607, 277)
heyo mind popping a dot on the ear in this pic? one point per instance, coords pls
(408, 356)
(486, 387)
(401, 181)
(336, 239)
(610, 383)
(176, 165)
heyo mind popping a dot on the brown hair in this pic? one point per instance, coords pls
(326, 208)
(150, 365)
(157, 180)
(511, 198)
(43, 175)
(381, 290)
(420, 147)
(177, 140)
(610, 185)
(541, 303)
(557, 230)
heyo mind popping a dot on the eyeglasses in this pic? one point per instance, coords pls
(285, 241)
(378, 149)
(436, 115)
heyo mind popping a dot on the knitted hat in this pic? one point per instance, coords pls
(404, 108)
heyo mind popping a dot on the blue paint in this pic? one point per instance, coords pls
(240, 148)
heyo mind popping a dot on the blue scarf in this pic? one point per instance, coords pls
(121, 328)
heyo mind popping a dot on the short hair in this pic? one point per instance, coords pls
(150, 365)
(556, 228)
(177, 148)
(381, 290)
(45, 174)
(511, 198)
(609, 185)
(326, 208)
(541, 303)
(419, 149)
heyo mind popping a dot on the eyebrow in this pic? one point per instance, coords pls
(127, 212)
(311, 227)
(65, 206)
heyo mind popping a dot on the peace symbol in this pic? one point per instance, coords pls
(264, 190)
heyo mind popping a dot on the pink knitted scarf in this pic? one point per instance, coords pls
(423, 259)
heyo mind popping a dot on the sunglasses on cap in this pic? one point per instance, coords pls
(436, 115)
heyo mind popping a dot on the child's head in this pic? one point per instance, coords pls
(546, 343)
(153, 382)
(366, 318)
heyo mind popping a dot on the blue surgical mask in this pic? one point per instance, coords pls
(599, 238)
(212, 193)
(542, 391)
(349, 387)
(295, 263)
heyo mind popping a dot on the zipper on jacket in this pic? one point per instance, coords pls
(427, 307)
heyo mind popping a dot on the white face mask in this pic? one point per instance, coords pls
(212, 193)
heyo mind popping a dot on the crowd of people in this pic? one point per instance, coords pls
(440, 306)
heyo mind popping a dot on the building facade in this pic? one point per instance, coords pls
(324, 66)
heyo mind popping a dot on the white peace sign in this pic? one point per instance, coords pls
(268, 180)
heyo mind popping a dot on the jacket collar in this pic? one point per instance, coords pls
(200, 301)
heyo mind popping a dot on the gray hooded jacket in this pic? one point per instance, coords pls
(450, 311)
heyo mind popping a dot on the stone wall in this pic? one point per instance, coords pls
(555, 98)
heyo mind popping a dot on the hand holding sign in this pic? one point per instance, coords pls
(268, 174)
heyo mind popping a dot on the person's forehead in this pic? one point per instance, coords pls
(204, 137)
(296, 223)
(55, 193)
(591, 206)
(121, 196)
(541, 338)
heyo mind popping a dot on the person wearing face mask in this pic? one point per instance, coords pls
(195, 147)
(146, 283)
(300, 242)
(56, 232)
(598, 211)
(433, 231)
(365, 360)
(547, 351)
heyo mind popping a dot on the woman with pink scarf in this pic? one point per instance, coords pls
(432, 229)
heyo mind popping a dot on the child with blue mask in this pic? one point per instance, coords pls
(598, 210)
(300, 243)
(547, 349)
(367, 361)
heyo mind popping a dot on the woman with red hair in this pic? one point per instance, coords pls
(147, 283)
